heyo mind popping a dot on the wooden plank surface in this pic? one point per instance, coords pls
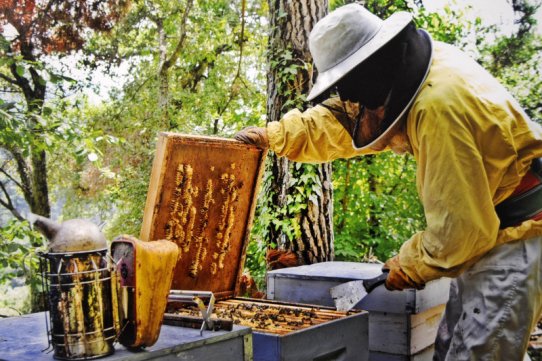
(403, 334)
(23, 339)
(424, 327)
(389, 332)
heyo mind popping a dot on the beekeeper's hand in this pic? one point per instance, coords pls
(397, 279)
(253, 135)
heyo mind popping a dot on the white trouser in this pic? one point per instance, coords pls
(493, 306)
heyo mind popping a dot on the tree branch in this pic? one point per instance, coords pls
(22, 83)
(8, 79)
(237, 76)
(197, 72)
(2, 170)
(175, 55)
(25, 176)
(8, 204)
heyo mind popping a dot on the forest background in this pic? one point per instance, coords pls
(198, 67)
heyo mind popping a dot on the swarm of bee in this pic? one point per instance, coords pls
(189, 216)
(201, 240)
(263, 317)
(230, 195)
(180, 226)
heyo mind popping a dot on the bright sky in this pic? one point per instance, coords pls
(490, 11)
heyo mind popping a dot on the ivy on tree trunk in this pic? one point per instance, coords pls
(300, 196)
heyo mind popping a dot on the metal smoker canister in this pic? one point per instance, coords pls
(82, 318)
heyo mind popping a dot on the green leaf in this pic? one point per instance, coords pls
(7, 105)
(42, 81)
(46, 111)
(19, 69)
(55, 79)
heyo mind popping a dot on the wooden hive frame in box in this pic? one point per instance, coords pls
(262, 316)
(202, 196)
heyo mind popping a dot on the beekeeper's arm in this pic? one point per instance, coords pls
(316, 135)
(462, 223)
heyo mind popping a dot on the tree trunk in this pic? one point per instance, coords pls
(33, 170)
(40, 184)
(305, 218)
(167, 61)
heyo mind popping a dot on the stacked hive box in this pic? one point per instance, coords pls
(402, 325)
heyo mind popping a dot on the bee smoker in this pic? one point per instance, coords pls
(77, 277)
(98, 297)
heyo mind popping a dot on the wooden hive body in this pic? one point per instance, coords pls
(402, 324)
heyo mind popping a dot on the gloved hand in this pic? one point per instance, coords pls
(253, 135)
(397, 279)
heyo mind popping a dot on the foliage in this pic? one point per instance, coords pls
(48, 27)
(38, 29)
(304, 187)
(18, 257)
(278, 226)
(256, 264)
(509, 50)
(376, 205)
(31, 113)
(524, 80)
(516, 58)
(297, 204)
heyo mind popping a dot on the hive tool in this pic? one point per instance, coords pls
(348, 294)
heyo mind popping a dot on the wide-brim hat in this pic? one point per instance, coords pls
(345, 38)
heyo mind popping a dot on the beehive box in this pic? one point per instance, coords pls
(402, 324)
(202, 196)
(292, 332)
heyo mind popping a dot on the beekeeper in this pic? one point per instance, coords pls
(478, 169)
